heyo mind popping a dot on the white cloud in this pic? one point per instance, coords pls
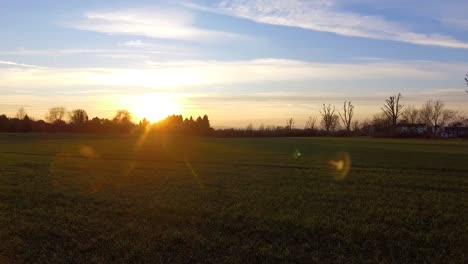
(154, 23)
(178, 74)
(135, 44)
(328, 16)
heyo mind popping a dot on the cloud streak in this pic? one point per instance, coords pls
(152, 23)
(12, 63)
(201, 73)
(328, 16)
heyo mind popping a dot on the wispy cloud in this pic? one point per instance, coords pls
(328, 16)
(179, 74)
(152, 23)
(133, 50)
(16, 64)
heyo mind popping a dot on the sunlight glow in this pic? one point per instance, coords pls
(153, 107)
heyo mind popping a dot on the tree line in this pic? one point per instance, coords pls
(59, 120)
(433, 116)
(330, 121)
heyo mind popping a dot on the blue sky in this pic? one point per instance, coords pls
(238, 61)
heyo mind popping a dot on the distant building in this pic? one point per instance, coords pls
(455, 132)
(413, 129)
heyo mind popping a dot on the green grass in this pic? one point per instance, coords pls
(114, 199)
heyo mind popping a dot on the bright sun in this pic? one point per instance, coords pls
(153, 107)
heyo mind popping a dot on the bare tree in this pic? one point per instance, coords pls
(311, 123)
(466, 80)
(55, 114)
(459, 119)
(393, 109)
(410, 115)
(380, 121)
(356, 125)
(261, 127)
(21, 114)
(347, 116)
(434, 114)
(249, 128)
(290, 124)
(447, 116)
(335, 125)
(329, 118)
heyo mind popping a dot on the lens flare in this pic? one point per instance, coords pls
(194, 174)
(341, 165)
(297, 154)
(88, 152)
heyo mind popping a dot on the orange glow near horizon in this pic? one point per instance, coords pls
(153, 107)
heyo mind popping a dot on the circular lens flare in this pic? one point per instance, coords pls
(341, 165)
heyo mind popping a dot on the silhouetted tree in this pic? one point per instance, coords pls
(4, 123)
(78, 117)
(311, 123)
(123, 121)
(290, 124)
(410, 115)
(335, 123)
(144, 123)
(25, 124)
(356, 127)
(459, 120)
(434, 114)
(329, 118)
(55, 114)
(380, 125)
(261, 128)
(347, 116)
(122, 117)
(249, 128)
(393, 109)
(95, 125)
(206, 123)
(21, 113)
(466, 80)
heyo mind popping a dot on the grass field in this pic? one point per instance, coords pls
(114, 199)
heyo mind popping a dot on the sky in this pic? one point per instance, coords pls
(239, 61)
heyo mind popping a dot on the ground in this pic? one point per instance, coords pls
(122, 199)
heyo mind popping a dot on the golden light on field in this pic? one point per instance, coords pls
(153, 107)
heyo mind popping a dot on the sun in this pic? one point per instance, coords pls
(154, 107)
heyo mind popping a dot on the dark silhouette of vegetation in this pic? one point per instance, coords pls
(410, 115)
(430, 120)
(435, 115)
(347, 116)
(79, 122)
(21, 114)
(56, 114)
(311, 123)
(393, 109)
(78, 117)
(290, 124)
(466, 80)
(329, 118)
